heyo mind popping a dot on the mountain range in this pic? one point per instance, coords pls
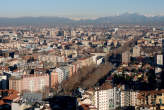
(125, 18)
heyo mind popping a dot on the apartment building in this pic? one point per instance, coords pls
(32, 83)
(136, 51)
(128, 98)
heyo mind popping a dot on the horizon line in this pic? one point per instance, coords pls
(79, 17)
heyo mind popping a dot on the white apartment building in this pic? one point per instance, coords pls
(114, 98)
(133, 98)
(107, 99)
(102, 99)
(61, 75)
(159, 60)
(125, 98)
(128, 98)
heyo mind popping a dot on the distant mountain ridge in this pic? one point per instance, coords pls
(121, 19)
(34, 20)
(132, 19)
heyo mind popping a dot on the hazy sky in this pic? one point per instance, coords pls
(79, 8)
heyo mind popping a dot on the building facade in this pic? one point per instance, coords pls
(31, 83)
(136, 51)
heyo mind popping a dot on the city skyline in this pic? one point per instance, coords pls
(79, 9)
